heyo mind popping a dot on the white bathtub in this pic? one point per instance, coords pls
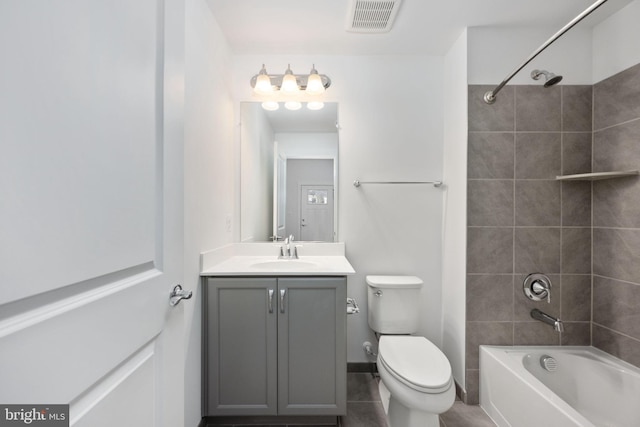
(589, 388)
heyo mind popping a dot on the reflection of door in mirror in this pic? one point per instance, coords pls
(300, 174)
(316, 213)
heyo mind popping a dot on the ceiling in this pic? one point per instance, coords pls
(421, 26)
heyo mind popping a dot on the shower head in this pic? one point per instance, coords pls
(550, 78)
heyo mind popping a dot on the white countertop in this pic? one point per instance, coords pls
(261, 259)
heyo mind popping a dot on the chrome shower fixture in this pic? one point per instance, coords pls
(550, 78)
(490, 96)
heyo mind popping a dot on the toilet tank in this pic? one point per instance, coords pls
(393, 303)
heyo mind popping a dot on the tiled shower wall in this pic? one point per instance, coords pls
(521, 220)
(616, 216)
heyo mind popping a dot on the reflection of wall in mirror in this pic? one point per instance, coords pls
(256, 179)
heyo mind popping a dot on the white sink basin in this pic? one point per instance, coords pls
(261, 259)
(284, 265)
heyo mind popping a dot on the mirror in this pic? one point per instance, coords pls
(288, 173)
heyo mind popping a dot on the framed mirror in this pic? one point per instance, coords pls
(288, 173)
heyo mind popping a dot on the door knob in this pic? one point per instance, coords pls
(178, 294)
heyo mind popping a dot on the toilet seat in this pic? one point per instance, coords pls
(416, 362)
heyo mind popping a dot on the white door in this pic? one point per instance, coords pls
(316, 213)
(91, 209)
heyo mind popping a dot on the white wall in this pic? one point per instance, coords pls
(615, 42)
(210, 185)
(495, 52)
(454, 241)
(391, 128)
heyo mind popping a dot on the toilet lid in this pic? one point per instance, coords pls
(416, 362)
(394, 281)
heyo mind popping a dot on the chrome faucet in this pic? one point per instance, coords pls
(557, 324)
(286, 251)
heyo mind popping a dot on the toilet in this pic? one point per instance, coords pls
(416, 382)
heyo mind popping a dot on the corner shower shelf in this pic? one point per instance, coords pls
(595, 176)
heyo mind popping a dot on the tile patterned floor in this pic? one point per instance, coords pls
(364, 408)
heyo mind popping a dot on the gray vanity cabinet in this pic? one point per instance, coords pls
(275, 346)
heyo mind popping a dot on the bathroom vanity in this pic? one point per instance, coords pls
(274, 335)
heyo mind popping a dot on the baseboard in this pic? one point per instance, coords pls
(263, 421)
(362, 367)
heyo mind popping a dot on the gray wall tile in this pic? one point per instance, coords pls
(495, 117)
(576, 250)
(472, 379)
(489, 297)
(538, 155)
(576, 203)
(617, 147)
(535, 333)
(538, 203)
(486, 333)
(538, 108)
(489, 250)
(490, 203)
(616, 253)
(616, 203)
(576, 152)
(576, 107)
(615, 305)
(576, 333)
(537, 250)
(616, 98)
(576, 297)
(491, 155)
(625, 348)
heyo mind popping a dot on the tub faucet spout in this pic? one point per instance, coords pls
(557, 324)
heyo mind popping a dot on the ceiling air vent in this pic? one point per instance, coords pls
(371, 16)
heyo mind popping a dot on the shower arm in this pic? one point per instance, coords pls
(490, 96)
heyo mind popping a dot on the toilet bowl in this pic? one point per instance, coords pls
(416, 381)
(417, 378)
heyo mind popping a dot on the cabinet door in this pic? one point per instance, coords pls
(240, 348)
(312, 359)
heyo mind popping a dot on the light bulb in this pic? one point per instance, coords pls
(270, 105)
(292, 105)
(263, 83)
(289, 82)
(315, 105)
(314, 83)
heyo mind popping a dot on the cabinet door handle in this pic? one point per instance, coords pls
(271, 300)
(282, 292)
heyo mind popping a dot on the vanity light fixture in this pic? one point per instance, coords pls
(290, 88)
